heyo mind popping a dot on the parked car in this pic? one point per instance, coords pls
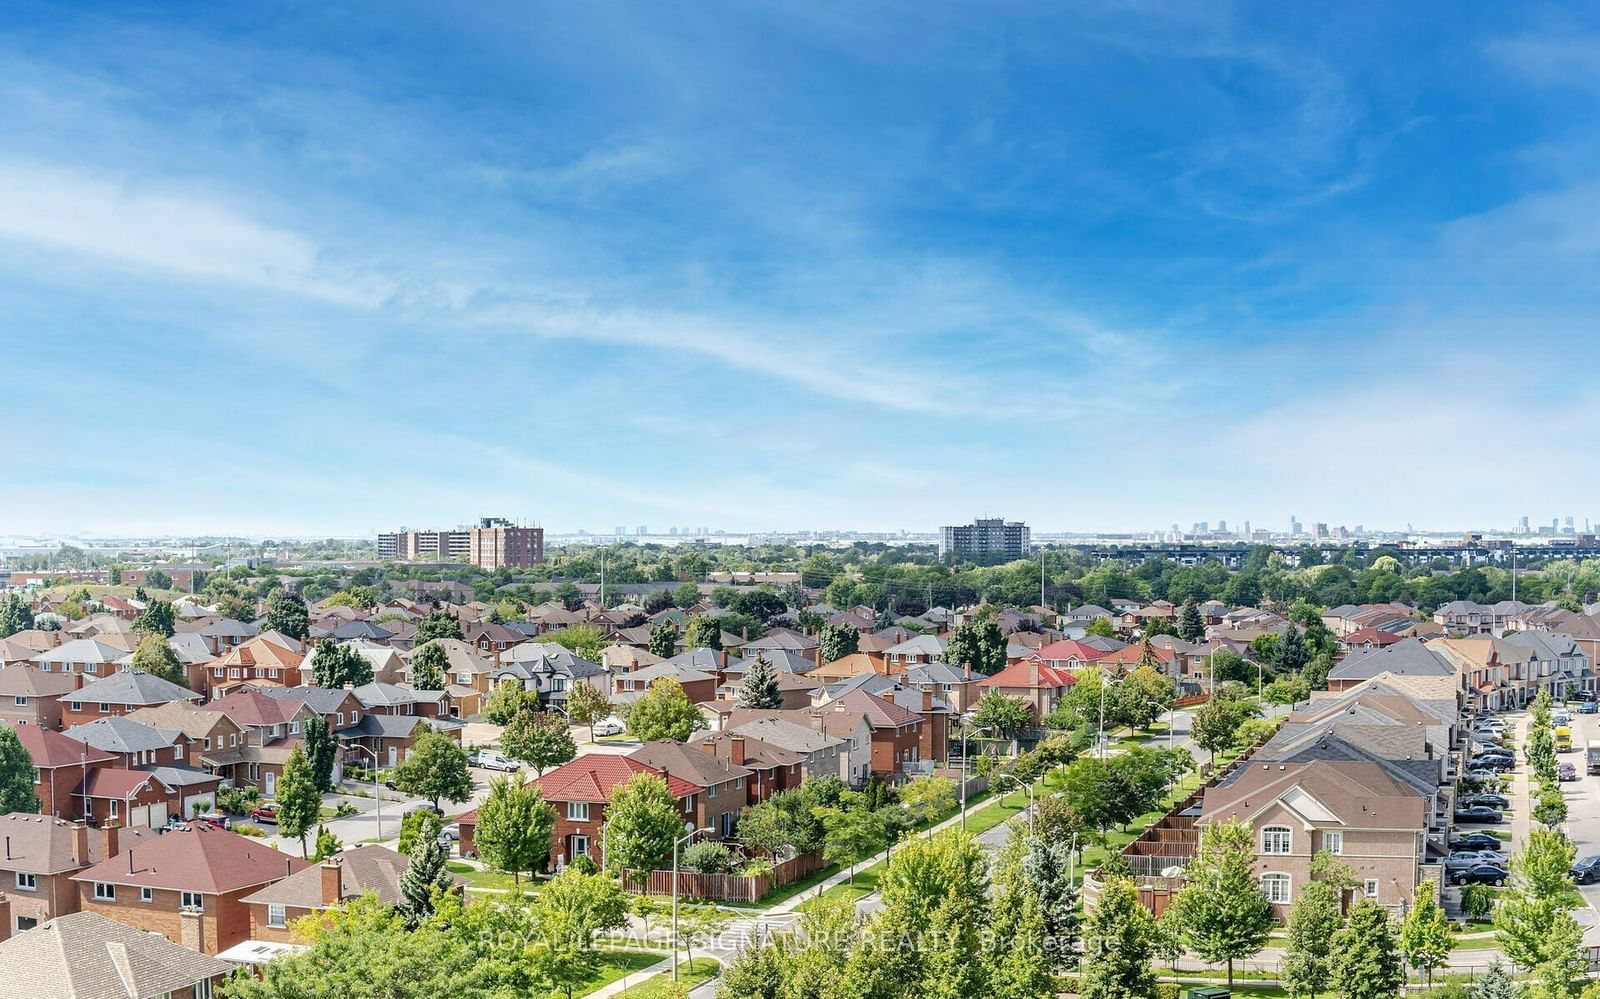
(1566, 771)
(425, 806)
(1480, 748)
(609, 726)
(267, 813)
(1463, 859)
(1482, 874)
(1478, 841)
(1480, 775)
(1561, 718)
(1586, 708)
(215, 819)
(449, 834)
(1492, 762)
(489, 760)
(1587, 870)
(1492, 800)
(1478, 813)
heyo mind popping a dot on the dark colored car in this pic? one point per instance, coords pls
(1491, 762)
(1482, 874)
(1587, 870)
(1492, 800)
(1478, 813)
(1476, 841)
(1566, 771)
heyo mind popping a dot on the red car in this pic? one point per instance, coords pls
(266, 813)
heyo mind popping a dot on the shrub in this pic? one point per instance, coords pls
(246, 829)
(706, 857)
(238, 800)
(343, 809)
(758, 868)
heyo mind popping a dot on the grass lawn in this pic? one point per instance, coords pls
(697, 972)
(479, 878)
(613, 965)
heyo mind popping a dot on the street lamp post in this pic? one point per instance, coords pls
(965, 756)
(1105, 681)
(377, 790)
(691, 834)
(1026, 787)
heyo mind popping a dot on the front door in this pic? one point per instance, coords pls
(580, 846)
(391, 756)
(272, 784)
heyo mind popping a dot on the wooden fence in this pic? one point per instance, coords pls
(1190, 700)
(726, 887)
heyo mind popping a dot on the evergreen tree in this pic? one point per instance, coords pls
(1424, 936)
(1224, 914)
(1308, 957)
(1366, 963)
(286, 614)
(424, 876)
(838, 641)
(1191, 628)
(1496, 983)
(428, 667)
(664, 639)
(760, 687)
(157, 619)
(1045, 869)
(16, 774)
(1118, 945)
(1291, 656)
(299, 803)
(327, 844)
(320, 752)
(15, 616)
(1022, 955)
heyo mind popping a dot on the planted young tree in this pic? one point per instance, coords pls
(642, 822)
(1118, 945)
(1550, 806)
(327, 844)
(586, 705)
(1224, 914)
(664, 712)
(1047, 871)
(927, 799)
(760, 686)
(571, 912)
(852, 834)
(424, 878)
(1217, 722)
(299, 803)
(538, 738)
(435, 768)
(515, 828)
(1314, 919)
(1366, 963)
(1424, 936)
(428, 667)
(1532, 919)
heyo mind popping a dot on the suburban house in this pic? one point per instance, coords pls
(916, 650)
(387, 739)
(119, 694)
(345, 876)
(32, 697)
(821, 754)
(187, 885)
(1405, 657)
(41, 855)
(83, 658)
(772, 767)
(721, 785)
(258, 661)
(221, 634)
(1368, 639)
(1041, 687)
(84, 955)
(60, 765)
(579, 790)
(134, 744)
(548, 669)
(698, 685)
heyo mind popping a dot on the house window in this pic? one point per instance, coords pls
(208, 742)
(711, 792)
(577, 811)
(1276, 888)
(27, 882)
(1274, 839)
(1333, 842)
(75, 705)
(202, 989)
(338, 719)
(114, 807)
(276, 916)
(191, 900)
(104, 892)
(294, 728)
(464, 679)
(105, 708)
(217, 672)
(177, 750)
(1371, 888)
(147, 894)
(20, 702)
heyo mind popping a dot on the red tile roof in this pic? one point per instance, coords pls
(592, 777)
(198, 858)
(1377, 636)
(1070, 648)
(1021, 675)
(52, 749)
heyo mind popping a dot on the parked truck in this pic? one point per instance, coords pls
(1592, 757)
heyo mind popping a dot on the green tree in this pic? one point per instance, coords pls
(538, 738)
(927, 799)
(15, 616)
(157, 619)
(320, 753)
(1532, 919)
(327, 844)
(686, 595)
(515, 827)
(1217, 722)
(1477, 901)
(1550, 806)
(1424, 936)
(586, 641)
(852, 835)
(571, 912)
(299, 803)
(1366, 963)
(642, 822)
(1290, 655)
(428, 667)
(1496, 983)
(664, 639)
(978, 645)
(664, 712)
(438, 624)
(424, 878)
(158, 580)
(1190, 626)
(435, 767)
(1147, 693)
(1118, 945)
(1288, 689)
(155, 656)
(1224, 914)
(16, 775)
(506, 699)
(703, 633)
(415, 823)
(760, 687)
(1308, 957)
(334, 665)
(838, 641)
(1100, 627)
(287, 615)
(587, 704)
(1047, 871)
(1002, 715)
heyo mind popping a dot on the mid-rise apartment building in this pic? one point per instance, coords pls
(985, 537)
(493, 544)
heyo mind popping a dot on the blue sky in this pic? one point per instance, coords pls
(295, 269)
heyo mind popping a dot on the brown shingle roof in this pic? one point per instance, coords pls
(693, 765)
(362, 869)
(198, 858)
(42, 844)
(87, 956)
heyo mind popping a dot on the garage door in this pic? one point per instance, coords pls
(158, 815)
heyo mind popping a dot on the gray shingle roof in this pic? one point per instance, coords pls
(116, 734)
(87, 956)
(133, 687)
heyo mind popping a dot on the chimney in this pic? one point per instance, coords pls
(192, 929)
(709, 746)
(817, 720)
(816, 654)
(5, 917)
(108, 840)
(331, 871)
(736, 750)
(927, 700)
(724, 658)
(80, 844)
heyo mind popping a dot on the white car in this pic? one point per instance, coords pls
(609, 726)
(488, 760)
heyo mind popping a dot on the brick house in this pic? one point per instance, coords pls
(896, 734)
(120, 693)
(31, 697)
(134, 744)
(772, 767)
(698, 685)
(345, 876)
(1040, 686)
(85, 659)
(258, 660)
(389, 737)
(60, 765)
(221, 634)
(721, 783)
(41, 855)
(578, 791)
(196, 874)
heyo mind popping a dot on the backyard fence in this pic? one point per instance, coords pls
(725, 887)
